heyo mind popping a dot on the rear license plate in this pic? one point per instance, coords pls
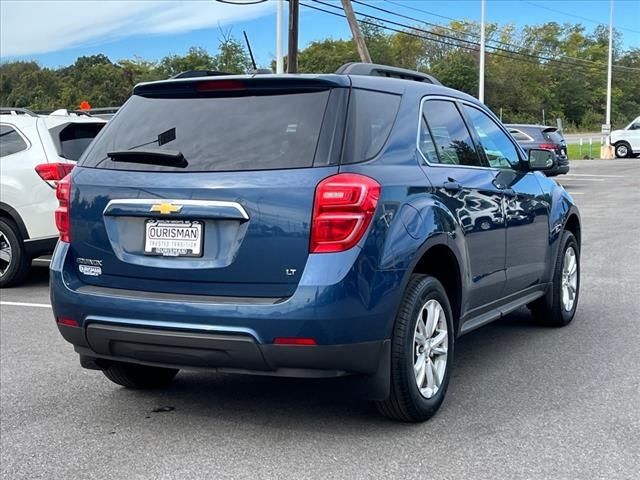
(173, 238)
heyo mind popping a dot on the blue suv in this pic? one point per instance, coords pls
(353, 224)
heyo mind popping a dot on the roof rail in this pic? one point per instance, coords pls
(375, 70)
(16, 111)
(199, 73)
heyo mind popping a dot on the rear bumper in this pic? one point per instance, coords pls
(101, 343)
(350, 316)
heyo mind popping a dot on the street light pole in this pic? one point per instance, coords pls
(279, 50)
(608, 119)
(482, 49)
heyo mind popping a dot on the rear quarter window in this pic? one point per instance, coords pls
(76, 137)
(370, 120)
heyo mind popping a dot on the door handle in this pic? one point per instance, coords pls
(509, 192)
(452, 185)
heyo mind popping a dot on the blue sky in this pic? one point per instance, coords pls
(55, 33)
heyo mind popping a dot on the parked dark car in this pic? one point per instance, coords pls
(548, 138)
(307, 226)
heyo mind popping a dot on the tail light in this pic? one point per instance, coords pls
(343, 208)
(52, 173)
(63, 193)
(547, 146)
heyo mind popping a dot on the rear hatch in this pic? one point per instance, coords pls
(206, 186)
(553, 136)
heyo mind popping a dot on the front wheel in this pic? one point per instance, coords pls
(558, 307)
(135, 376)
(421, 352)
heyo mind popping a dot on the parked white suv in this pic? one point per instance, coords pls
(35, 152)
(627, 141)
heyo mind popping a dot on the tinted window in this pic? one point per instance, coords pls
(10, 141)
(553, 136)
(498, 148)
(76, 137)
(216, 134)
(518, 135)
(426, 145)
(371, 116)
(450, 135)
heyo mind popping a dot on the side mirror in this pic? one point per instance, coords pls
(541, 160)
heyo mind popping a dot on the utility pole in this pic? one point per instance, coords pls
(607, 153)
(292, 56)
(279, 52)
(363, 51)
(482, 49)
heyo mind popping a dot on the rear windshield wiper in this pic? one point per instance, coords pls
(153, 157)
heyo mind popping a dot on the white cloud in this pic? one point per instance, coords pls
(31, 27)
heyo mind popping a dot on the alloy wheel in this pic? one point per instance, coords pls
(569, 279)
(5, 254)
(430, 341)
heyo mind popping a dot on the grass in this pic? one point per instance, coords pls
(573, 150)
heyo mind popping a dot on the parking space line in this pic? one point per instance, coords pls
(26, 304)
(592, 175)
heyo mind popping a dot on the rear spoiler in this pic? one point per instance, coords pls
(239, 85)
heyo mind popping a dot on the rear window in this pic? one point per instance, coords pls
(371, 117)
(553, 136)
(216, 134)
(76, 137)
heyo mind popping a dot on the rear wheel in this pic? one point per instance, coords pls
(558, 307)
(131, 375)
(14, 261)
(421, 352)
(623, 150)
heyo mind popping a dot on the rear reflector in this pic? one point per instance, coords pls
(342, 211)
(295, 341)
(69, 322)
(63, 193)
(220, 85)
(52, 173)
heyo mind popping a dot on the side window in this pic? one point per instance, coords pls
(371, 117)
(449, 133)
(519, 136)
(10, 141)
(500, 151)
(426, 145)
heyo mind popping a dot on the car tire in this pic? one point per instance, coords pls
(623, 150)
(14, 261)
(425, 301)
(139, 377)
(554, 309)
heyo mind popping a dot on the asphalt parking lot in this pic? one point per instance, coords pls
(525, 401)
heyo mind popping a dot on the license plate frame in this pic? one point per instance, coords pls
(165, 246)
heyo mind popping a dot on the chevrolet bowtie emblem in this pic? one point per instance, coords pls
(165, 208)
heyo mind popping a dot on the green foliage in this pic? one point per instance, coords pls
(521, 86)
(101, 82)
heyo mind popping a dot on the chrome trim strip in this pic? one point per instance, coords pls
(199, 203)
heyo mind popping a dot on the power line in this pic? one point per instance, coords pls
(573, 15)
(537, 56)
(405, 32)
(458, 41)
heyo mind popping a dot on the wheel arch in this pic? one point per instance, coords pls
(8, 212)
(440, 261)
(573, 225)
